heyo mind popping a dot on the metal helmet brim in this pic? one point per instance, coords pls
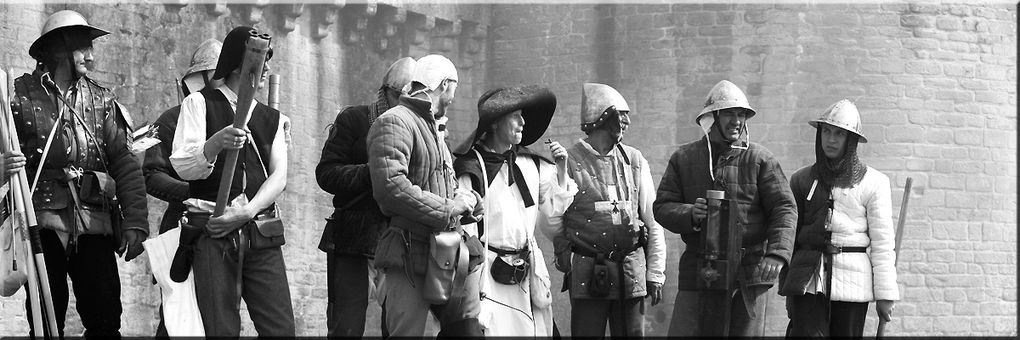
(843, 114)
(61, 21)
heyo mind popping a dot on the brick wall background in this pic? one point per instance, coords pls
(935, 83)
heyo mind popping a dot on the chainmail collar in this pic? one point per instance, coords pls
(844, 172)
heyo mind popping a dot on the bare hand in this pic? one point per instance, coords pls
(228, 138)
(131, 241)
(700, 210)
(479, 210)
(12, 162)
(885, 309)
(654, 292)
(232, 218)
(558, 151)
(768, 269)
(464, 201)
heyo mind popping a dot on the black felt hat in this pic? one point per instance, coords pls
(232, 53)
(537, 105)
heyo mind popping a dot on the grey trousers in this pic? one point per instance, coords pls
(405, 312)
(687, 314)
(588, 317)
(264, 288)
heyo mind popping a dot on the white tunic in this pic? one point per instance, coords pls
(523, 309)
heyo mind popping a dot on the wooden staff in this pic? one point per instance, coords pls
(899, 238)
(38, 275)
(251, 73)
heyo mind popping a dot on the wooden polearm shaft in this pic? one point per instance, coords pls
(21, 194)
(899, 238)
(255, 52)
(274, 91)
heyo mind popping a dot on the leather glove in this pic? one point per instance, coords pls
(654, 292)
(131, 242)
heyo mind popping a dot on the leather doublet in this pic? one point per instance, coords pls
(36, 108)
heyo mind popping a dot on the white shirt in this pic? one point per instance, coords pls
(188, 155)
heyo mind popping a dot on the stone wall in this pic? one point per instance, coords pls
(935, 84)
(329, 56)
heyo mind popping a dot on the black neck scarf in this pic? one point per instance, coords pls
(493, 162)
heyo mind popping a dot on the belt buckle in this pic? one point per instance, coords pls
(834, 249)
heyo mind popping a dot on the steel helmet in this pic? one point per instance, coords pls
(432, 69)
(595, 99)
(58, 21)
(204, 59)
(399, 74)
(724, 95)
(843, 114)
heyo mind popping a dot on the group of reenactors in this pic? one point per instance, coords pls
(427, 228)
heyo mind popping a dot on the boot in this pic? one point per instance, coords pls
(181, 265)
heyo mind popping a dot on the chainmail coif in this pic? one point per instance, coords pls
(844, 172)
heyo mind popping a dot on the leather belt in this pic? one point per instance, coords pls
(504, 252)
(834, 249)
(615, 255)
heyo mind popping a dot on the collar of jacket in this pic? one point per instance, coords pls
(616, 148)
(46, 79)
(419, 104)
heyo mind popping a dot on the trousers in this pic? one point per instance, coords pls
(688, 314)
(588, 317)
(812, 315)
(92, 267)
(349, 283)
(264, 288)
(405, 312)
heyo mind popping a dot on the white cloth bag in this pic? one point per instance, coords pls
(180, 307)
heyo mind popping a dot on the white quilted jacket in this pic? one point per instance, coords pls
(862, 217)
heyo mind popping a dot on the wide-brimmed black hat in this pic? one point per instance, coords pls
(232, 53)
(537, 105)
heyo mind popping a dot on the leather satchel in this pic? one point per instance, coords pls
(267, 233)
(447, 264)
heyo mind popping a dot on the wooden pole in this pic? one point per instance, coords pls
(251, 73)
(38, 278)
(899, 238)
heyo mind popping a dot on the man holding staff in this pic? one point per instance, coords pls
(79, 165)
(225, 269)
(844, 256)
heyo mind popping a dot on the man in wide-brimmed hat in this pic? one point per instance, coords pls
(350, 235)
(725, 160)
(521, 190)
(161, 181)
(76, 138)
(226, 270)
(611, 248)
(411, 169)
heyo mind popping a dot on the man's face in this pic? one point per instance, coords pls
(264, 78)
(509, 128)
(81, 58)
(731, 122)
(833, 141)
(446, 97)
(616, 124)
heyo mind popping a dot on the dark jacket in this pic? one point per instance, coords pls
(161, 180)
(35, 104)
(768, 213)
(413, 181)
(343, 171)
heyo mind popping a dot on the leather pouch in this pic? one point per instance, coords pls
(442, 266)
(598, 284)
(510, 273)
(97, 188)
(267, 233)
